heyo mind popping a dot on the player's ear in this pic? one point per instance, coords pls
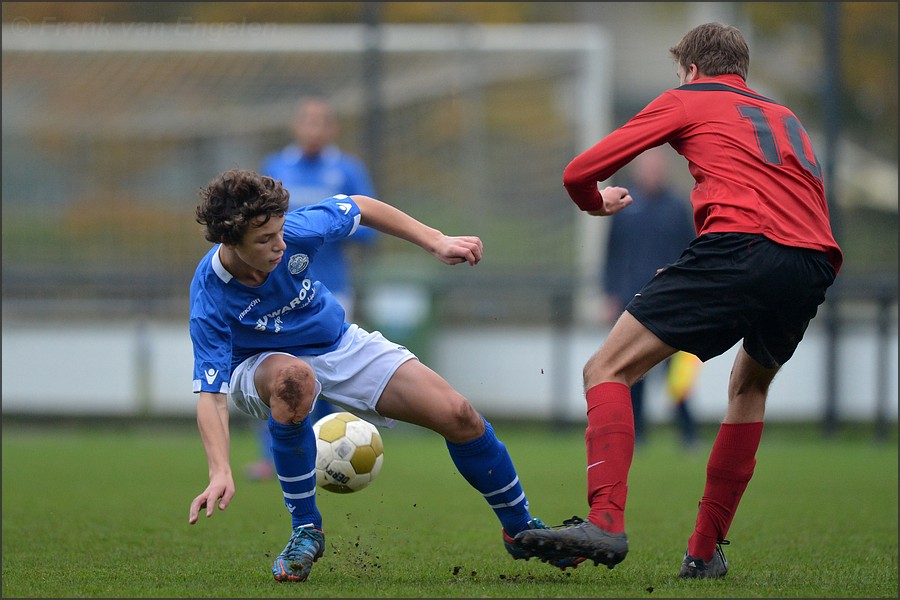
(693, 73)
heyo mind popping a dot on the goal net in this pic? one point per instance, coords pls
(109, 131)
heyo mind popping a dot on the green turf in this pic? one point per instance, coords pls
(102, 512)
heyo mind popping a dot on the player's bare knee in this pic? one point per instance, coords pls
(292, 391)
(592, 373)
(465, 423)
(587, 374)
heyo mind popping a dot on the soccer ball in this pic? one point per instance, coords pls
(349, 453)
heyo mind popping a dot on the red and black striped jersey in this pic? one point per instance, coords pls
(753, 163)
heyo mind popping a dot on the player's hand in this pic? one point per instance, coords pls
(220, 490)
(453, 250)
(614, 200)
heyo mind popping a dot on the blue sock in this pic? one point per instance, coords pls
(487, 466)
(294, 451)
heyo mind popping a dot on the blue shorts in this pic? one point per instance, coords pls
(728, 287)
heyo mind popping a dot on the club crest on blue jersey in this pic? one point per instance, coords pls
(298, 263)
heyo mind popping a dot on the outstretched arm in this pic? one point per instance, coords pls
(451, 250)
(212, 419)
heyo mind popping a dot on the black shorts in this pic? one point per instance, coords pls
(727, 287)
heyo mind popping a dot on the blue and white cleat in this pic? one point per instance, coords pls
(296, 560)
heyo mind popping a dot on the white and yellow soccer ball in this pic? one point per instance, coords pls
(349, 452)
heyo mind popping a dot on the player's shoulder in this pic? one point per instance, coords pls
(310, 218)
(204, 265)
(337, 201)
(210, 273)
(202, 294)
(729, 84)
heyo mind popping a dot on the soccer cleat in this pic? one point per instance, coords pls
(519, 553)
(303, 549)
(578, 538)
(697, 568)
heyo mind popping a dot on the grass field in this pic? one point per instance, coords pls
(102, 512)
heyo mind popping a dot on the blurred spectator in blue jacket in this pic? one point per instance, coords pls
(312, 167)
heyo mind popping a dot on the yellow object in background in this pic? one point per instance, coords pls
(683, 370)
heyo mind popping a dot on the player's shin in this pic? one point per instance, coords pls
(730, 467)
(485, 463)
(294, 453)
(609, 441)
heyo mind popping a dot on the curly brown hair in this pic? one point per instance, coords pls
(716, 49)
(234, 200)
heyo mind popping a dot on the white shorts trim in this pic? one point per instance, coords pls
(353, 376)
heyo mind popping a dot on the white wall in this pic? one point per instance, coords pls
(96, 368)
(508, 371)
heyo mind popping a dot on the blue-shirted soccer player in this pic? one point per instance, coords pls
(312, 168)
(272, 339)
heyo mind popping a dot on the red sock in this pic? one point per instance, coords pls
(610, 447)
(728, 472)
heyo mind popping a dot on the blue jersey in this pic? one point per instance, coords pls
(290, 312)
(309, 179)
